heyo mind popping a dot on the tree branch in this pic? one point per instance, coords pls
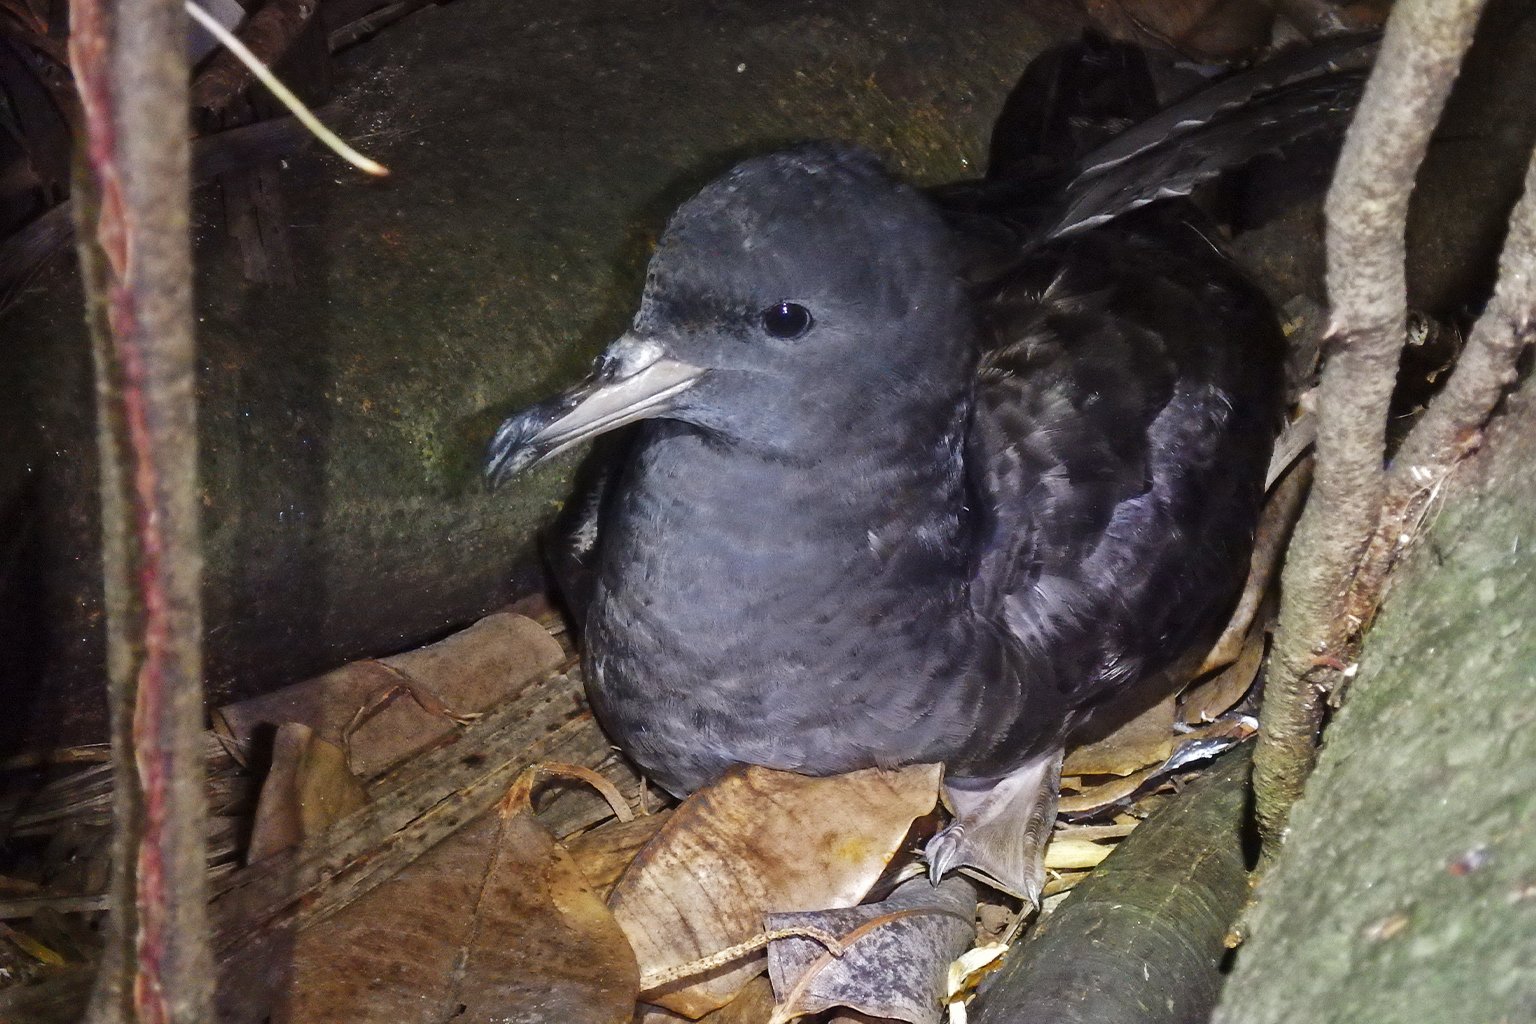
(1367, 212)
(1452, 426)
(130, 66)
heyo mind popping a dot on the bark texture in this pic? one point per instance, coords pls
(131, 70)
(1406, 891)
(1140, 941)
(1367, 213)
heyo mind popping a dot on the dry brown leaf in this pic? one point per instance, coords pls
(494, 924)
(754, 843)
(1093, 797)
(603, 853)
(1146, 739)
(1255, 605)
(1066, 854)
(1061, 882)
(1211, 698)
(896, 961)
(1119, 829)
(752, 1005)
(464, 674)
(1093, 793)
(307, 788)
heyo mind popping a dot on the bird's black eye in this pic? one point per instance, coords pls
(786, 320)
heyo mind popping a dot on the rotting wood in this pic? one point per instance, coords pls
(83, 798)
(24, 253)
(27, 906)
(88, 753)
(364, 25)
(1141, 940)
(253, 210)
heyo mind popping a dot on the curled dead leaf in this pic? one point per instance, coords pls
(520, 797)
(754, 843)
(1211, 698)
(466, 673)
(1146, 739)
(1074, 854)
(891, 960)
(307, 788)
(604, 853)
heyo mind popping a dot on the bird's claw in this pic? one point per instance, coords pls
(1000, 829)
(945, 852)
(1001, 868)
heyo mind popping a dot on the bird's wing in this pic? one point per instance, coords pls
(1335, 60)
(1304, 94)
(1078, 143)
(1124, 412)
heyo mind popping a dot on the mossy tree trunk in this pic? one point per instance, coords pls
(1406, 890)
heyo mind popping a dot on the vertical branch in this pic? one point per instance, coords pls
(1367, 211)
(130, 66)
(1453, 423)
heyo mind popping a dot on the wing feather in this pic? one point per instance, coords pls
(1124, 409)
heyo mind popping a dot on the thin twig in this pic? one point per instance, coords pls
(664, 976)
(269, 29)
(283, 94)
(1367, 212)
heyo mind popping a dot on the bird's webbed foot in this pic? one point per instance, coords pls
(1001, 827)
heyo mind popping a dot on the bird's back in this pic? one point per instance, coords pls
(1126, 404)
(1127, 396)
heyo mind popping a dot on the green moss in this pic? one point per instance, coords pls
(1406, 891)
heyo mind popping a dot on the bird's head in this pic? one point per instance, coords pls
(801, 298)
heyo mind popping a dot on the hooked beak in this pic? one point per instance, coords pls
(633, 381)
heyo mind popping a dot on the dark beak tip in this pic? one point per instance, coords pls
(502, 464)
(510, 450)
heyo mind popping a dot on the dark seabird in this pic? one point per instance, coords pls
(934, 476)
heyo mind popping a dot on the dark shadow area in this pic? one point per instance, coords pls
(51, 618)
(23, 603)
